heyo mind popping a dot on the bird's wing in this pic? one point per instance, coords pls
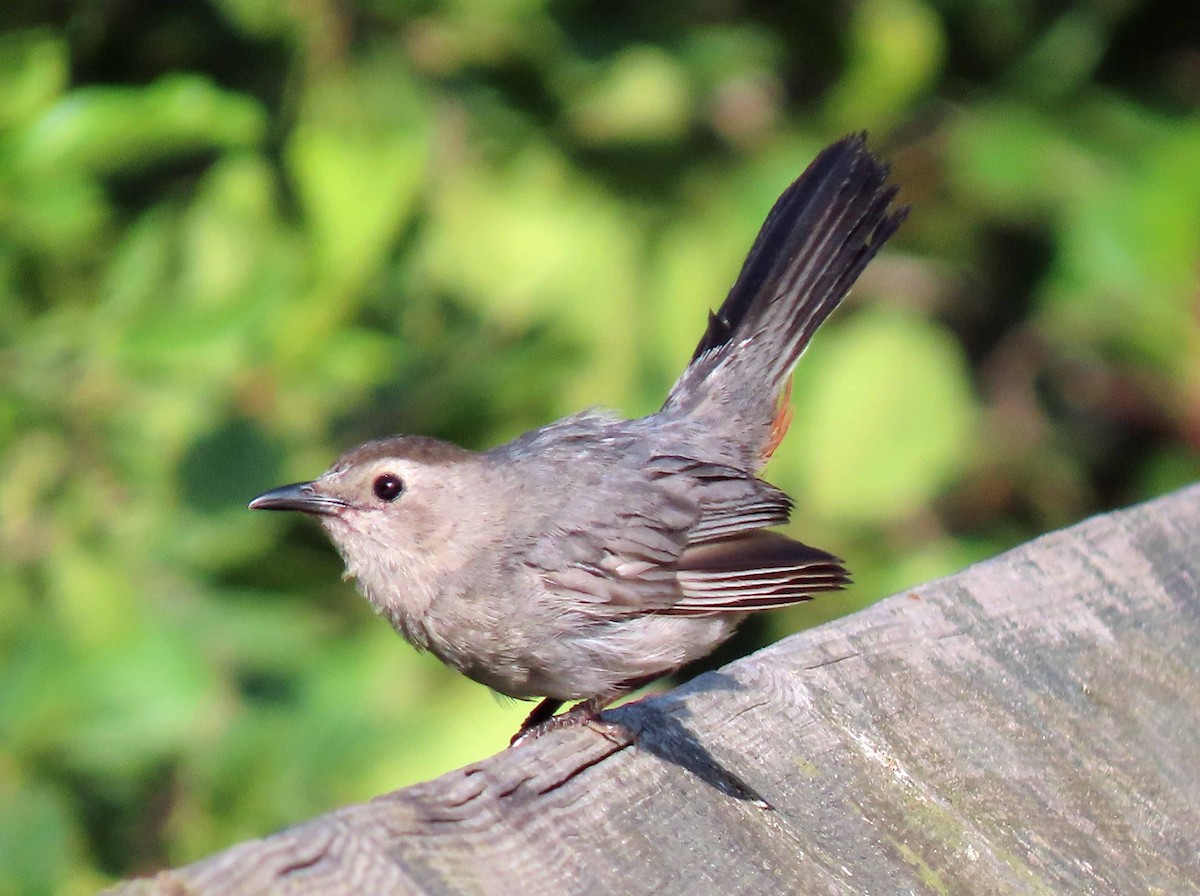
(686, 539)
(754, 571)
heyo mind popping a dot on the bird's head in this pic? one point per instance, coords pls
(402, 512)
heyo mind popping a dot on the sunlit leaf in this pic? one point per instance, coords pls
(896, 55)
(884, 415)
(106, 129)
(641, 95)
(358, 158)
(33, 71)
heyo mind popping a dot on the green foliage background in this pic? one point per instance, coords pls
(239, 236)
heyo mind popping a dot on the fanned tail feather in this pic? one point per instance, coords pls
(816, 241)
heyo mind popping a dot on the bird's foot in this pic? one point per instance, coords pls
(585, 713)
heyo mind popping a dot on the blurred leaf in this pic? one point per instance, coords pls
(730, 50)
(102, 130)
(36, 837)
(59, 217)
(1127, 277)
(358, 158)
(110, 710)
(1011, 158)
(1168, 471)
(735, 70)
(535, 242)
(136, 701)
(233, 236)
(225, 467)
(257, 634)
(1067, 53)
(910, 568)
(262, 17)
(895, 55)
(642, 94)
(33, 71)
(886, 412)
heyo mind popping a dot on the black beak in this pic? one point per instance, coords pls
(302, 496)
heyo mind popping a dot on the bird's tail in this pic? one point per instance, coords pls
(816, 240)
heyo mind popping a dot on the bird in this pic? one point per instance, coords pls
(590, 557)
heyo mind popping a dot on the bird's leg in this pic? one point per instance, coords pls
(542, 720)
(541, 714)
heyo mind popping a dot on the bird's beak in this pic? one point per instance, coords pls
(302, 496)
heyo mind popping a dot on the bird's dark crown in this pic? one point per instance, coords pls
(422, 449)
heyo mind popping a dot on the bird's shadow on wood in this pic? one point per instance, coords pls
(657, 726)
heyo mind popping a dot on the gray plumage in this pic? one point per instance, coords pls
(597, 553)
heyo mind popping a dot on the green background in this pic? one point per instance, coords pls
(240, 236)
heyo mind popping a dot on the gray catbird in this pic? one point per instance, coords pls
(596, 554)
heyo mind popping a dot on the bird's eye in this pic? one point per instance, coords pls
(388, 487)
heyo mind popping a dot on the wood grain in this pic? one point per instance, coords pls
(1030, 725)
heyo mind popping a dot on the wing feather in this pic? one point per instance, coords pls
(689, 540)
(756, 571)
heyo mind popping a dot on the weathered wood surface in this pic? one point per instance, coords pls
(1030, 725)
